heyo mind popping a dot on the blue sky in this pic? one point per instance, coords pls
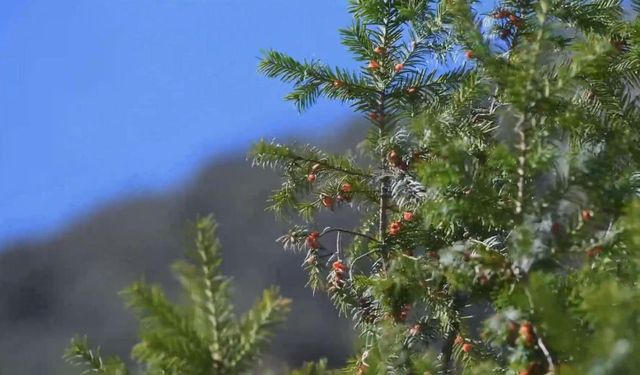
(100, 99)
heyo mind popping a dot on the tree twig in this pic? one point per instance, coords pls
(353, 233)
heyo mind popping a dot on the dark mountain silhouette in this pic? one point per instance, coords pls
(68, 284)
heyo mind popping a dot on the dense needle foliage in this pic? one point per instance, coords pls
(497, 189)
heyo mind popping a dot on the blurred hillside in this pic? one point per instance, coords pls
(51, 290)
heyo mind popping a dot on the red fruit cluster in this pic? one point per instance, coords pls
(339, 267)
(338, 275)
(527, 334)
(312, 240)
(469, 55)
(407, 216)
(311, 177)
(375, 116)
(327, 201)
(586, 215)
(467, 347)
(345, 192)
(394, 228)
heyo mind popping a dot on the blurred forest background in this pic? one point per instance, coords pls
(69, 284)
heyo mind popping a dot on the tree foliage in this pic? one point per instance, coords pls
(202, 337)
(498, 190)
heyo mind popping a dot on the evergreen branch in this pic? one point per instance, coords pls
(79, 354)
(164, 331)
(256, 328)
(215, 303)
(311, 79)
(270, 153)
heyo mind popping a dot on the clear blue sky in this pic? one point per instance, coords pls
(100, 99)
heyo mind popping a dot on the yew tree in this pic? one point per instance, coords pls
(496, 189)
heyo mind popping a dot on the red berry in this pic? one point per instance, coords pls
(393, 158)
(407, 216)
(618, 44)
(379, 50)
(339, 267)
(415, 330)
(312, 240)
(595, 251)
(373, 65)
(404, 312)
(327, 201)
(346, 187)
(469, 54)
(459, 340)
(467, 347)
(483, 280)
(394, 228)
(586, 215)
(311, 178)
(398, 68)
(515, 20)
(526, 329)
